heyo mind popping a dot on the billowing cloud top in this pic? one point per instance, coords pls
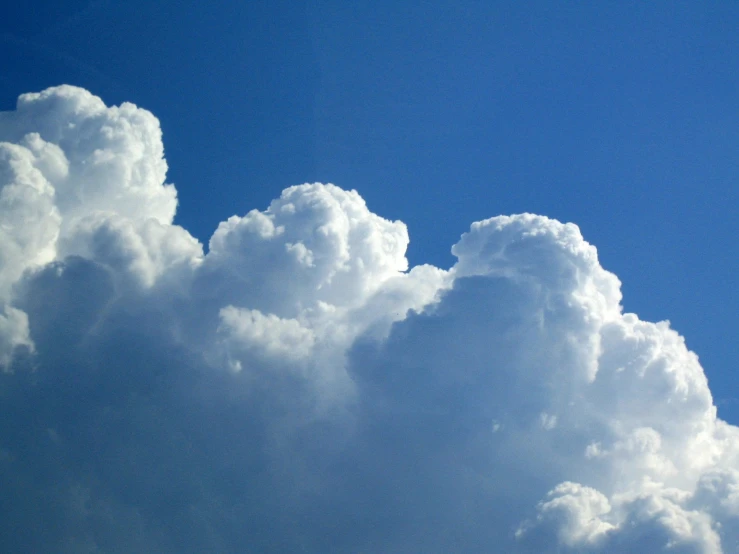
(298, 389)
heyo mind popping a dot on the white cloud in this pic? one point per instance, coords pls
(504, 405)
(576, 513)
(13, 334)
(273, 336)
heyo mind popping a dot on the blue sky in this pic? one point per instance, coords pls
(620, 117)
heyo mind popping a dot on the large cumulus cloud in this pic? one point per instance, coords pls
(299, 389)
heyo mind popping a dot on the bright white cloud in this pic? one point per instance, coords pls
(299, 389)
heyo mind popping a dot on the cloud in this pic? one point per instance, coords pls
(299, 389)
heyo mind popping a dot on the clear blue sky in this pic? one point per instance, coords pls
(619, 116)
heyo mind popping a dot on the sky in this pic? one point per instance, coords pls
(329, 321)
